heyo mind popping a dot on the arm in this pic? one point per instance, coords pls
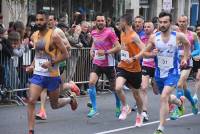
(64, 39)
(92, 50)
(196, 50)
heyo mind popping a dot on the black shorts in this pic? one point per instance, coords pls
(148, 71)
(196, 66)
(109, 71)
(134, 79)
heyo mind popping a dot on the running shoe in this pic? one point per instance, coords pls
(117, 112)
(146, 116)
(158, 132)
(125, 111)
(73, 103)
(74, 88)
(195, 106)
(139, 120)
(31, 132)
(41, 115)
(92, 113)
(171, 107)
(178, 111)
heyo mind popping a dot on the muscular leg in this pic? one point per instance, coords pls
(120, 81)
(143, 91)
(138, 99)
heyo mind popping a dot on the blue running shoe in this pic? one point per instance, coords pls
(195, 106)
(92, 113)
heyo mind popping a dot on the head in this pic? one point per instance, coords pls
(100, 21)
(14, 39)
(108, 21)
(148, 27)
(155, 22)
(78, 18)
(165, 20)
(139, 23)
(41, 20)
(52, 21)
(84, 26)
(125, 20)
(182, 22)
(19, 27)
(198, 30)
(3, 31)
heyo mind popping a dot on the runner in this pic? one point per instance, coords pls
(182, 89)
(69, 86)
(105, 44)
(148, 68)
(166, 73)
(46, 71)
(129, 69)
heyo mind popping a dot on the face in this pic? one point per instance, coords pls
(15, 43)
(52, 21)
(84, 28)
(198, 31)
(122, 24)
(182, 22)
(164, 23)
(148, 28)
(100, 22)
(139, 23)
(41, 22)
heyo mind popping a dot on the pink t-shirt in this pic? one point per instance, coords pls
(104, 40)
(147, 62)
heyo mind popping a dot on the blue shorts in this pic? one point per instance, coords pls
(49, 83)
(171, 81)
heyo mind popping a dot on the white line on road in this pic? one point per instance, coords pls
(146, 124)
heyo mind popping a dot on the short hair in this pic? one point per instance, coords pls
(163, 14)
(18, 25)
(14, 36)
(128, 18)
(100, 14)
(42, 12)
(139, 16)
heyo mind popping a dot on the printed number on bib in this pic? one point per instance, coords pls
(38, 65)
(97, 57)
(165, 62)
(124, 55)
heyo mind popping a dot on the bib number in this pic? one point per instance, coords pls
(124, 55)
(97, 57)
(38, 65)
(165, 62)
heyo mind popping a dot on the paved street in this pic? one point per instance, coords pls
(64, 121)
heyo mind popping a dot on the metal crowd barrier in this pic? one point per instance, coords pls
(14, 81)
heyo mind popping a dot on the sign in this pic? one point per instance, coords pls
(167, 5)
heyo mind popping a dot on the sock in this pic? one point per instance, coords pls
(92, 94)
(179, 93)
(161, 128)
(118, 104)
(189, 96)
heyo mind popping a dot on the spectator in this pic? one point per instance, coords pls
(139, 25)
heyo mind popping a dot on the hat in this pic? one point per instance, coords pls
(62, 25)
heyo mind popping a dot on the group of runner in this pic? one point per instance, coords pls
(164, 56)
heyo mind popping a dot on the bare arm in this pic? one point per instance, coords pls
(115, 49)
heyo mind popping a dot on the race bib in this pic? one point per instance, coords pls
(97, 57)
(38, 65)
(181, 52)
(165, 62)
(124, 55)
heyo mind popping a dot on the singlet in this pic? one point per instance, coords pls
(132, 49)
(167, 58)
(43, 53)
(104, 40)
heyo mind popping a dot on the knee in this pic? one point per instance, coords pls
(32, 101)
(164, 98)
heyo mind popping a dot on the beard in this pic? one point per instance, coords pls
(164, 29)
(100, 26)
(42, 27)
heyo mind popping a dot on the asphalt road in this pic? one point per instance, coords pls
(13, 119)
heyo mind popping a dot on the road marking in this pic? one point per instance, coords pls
(146, 124)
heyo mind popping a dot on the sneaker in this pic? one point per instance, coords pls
(92, 113)
(74, 88)
(195, 106)
(31, 132)
(73, 103)
(41, 115)
(158, 132)
(139, 120)
(146, 116)
(182, 108)
(117, 112)
(89, 105)
(125, 111)
(178, 112)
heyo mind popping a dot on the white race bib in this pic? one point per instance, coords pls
(165, 62)
(97, 57)
(124, 55)
(38, 65)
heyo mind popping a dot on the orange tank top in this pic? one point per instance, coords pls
(133, 49)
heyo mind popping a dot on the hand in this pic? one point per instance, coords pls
(29, 69)
(129, 60)
(92, 54)
(100, 52)
(25, 41)
(46, 65)
(155, 52)
(183, 63)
